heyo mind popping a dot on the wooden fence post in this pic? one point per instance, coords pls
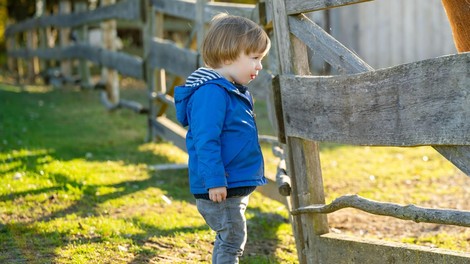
(148, 31)
(109, 76)
(84, 70)
(200, 26)
(12, 62)
(32, 63)
(19, 61)
(303, 156)
(65, 65)
(40, 8)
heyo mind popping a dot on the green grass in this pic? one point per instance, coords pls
(77, 187)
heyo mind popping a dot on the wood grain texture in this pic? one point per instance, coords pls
(346, 61)
(303, 6)
(342, 249)
(122, 62)
(282, 35)
(327, 47)
(170, 131)
(126, 9)
(186, 9)
(421, 103)
(165, 54)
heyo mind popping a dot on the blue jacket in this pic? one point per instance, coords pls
(222, 138)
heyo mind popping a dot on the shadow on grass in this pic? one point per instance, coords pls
(67, 125)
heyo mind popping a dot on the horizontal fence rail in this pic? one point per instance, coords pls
(345, 61)
(305, 6)
(124, 63)
(126, 10)
(421, 103)
(166, 54)
(187, 9)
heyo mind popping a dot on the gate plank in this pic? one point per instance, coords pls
(347, 62)
(166, 54)
(421, 103)
(186, 9)
(327, 47)
(357, 250)
(124, 63)
(302, 6)
(170, 131)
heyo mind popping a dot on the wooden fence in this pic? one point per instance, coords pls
(429, 98)
(162, 65)
(420, 103)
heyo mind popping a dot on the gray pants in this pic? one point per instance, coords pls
(227, 218)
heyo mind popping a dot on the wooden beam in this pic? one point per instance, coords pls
(65, 7)
(166, 99)
(171, 131)
(165, 54)
(458, 155)
(304, 6)
(177, 8)
(421, 103)
(109, 76)
(126, 9)
(244, 10)
(327, 47)
(186, 9)
(304, 166)
(281, 31)
(82, 32)
(124, 63)
(337, 248)
(408, 212)
(281, 132)
(347, 62)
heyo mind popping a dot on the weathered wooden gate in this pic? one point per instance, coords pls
(421, 103)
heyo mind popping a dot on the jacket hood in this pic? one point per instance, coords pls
(183, 93)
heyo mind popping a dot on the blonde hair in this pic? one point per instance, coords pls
(228, 36)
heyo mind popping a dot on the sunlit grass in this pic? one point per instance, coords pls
(77, 187)
(372, 171)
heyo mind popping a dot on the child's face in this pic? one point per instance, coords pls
(244, 69)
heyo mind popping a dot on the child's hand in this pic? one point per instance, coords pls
(218, 194)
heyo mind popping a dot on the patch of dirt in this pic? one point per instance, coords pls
(361, 224)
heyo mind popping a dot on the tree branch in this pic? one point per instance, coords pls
(408, 212)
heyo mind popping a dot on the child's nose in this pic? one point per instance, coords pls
(259, 66)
